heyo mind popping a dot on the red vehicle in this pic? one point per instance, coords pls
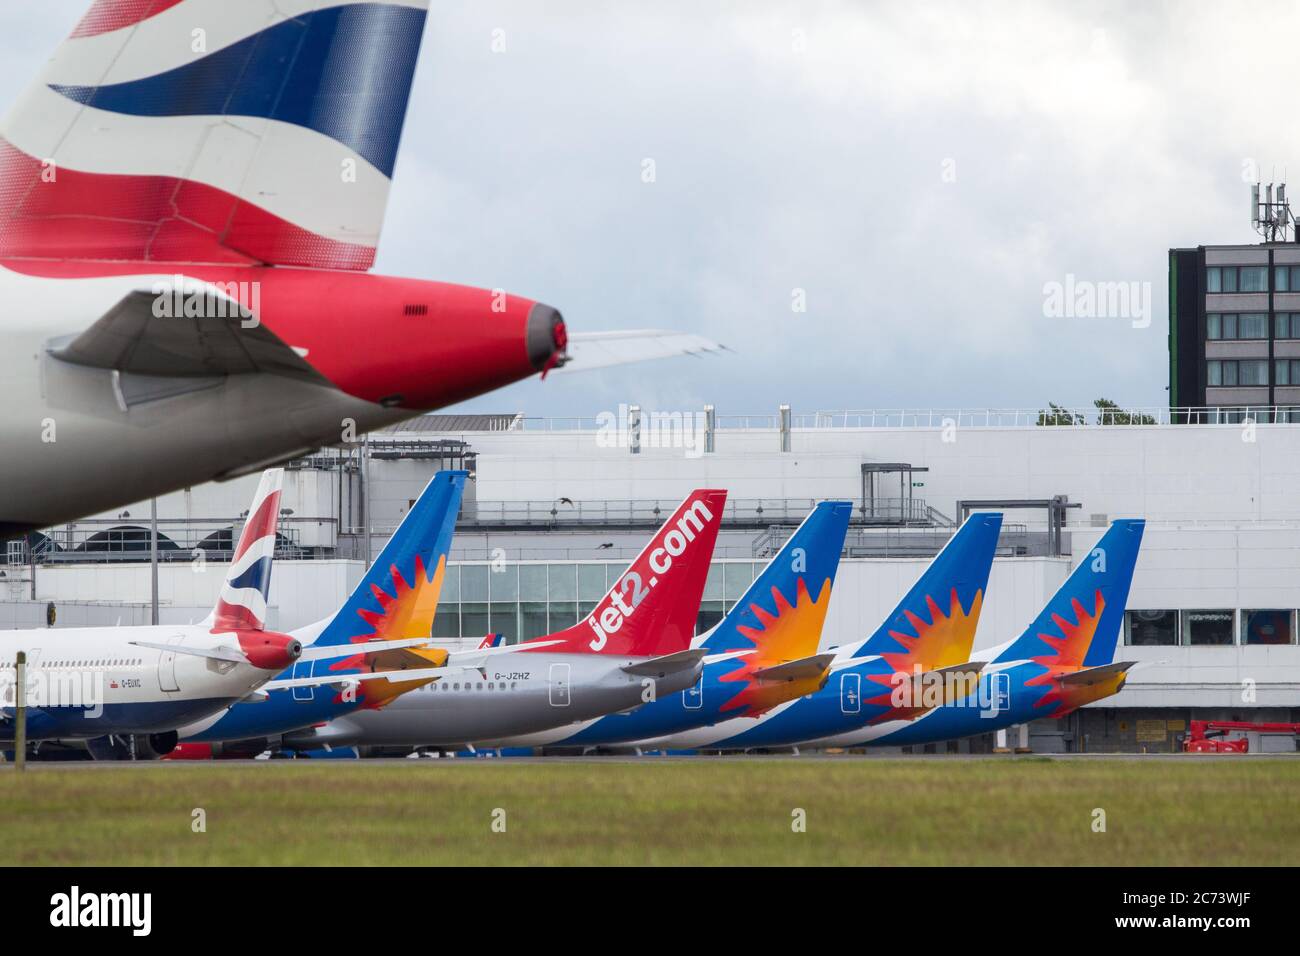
(1210, 736)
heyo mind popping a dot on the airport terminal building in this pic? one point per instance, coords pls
(556, 509)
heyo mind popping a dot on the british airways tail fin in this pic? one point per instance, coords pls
(201, 131)
(1080, 625)
(398, 596)
(782, 613)
(934, 625)
(242, 604)
(652, 608)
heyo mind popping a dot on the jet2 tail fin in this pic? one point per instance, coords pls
(398, 595)
(1080, 625)
(781, 614)
(652, 609)
(933, 627)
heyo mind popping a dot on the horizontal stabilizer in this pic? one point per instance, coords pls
(968, 667)
(328, 652)
(802, 669)
(594, 350)
(212, 336)
(1097, 675)
(397, 676)
(479, 656)
(658, 666)
(212, 653)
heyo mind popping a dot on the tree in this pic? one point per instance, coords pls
(1109, 413)
(1059, 415)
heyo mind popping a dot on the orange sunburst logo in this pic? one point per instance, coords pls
(791, 634)
(1068, 653)
(406, 613)
(942, 641)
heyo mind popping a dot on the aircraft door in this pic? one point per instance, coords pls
(850, 693)
(559, 684)
(302, 669)
(167, 668)
(693, 697)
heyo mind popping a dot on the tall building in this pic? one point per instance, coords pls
(1234, 332)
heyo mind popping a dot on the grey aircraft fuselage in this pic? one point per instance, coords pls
(516, 694)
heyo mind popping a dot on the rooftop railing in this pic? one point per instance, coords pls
(939, 417)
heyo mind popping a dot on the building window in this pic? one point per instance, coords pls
(1268, 627)
(1231, 373)
(1286, 372)
(1151, 628)
(1286, 278)
(1207, 628)
(1252, 372)
(1228, 325)
(1220, 374)
(1221, 279)
(1253, 279)
(1286, 325)
(1252, 325)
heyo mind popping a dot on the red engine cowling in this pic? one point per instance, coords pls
(269, 650)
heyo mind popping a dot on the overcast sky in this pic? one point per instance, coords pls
(920, 170)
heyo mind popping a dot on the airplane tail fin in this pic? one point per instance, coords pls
(398, 595)
(652, 609)
(934, 625)
(242, 603)
(782, 613)
(212, 131)
(1080, 625)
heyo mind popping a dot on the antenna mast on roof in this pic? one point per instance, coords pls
(1270, 212)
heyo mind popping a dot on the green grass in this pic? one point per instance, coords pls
(871, 812)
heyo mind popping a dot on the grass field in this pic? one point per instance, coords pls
(858, 811)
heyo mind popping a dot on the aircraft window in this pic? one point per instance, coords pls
(457, 687)
(479, 686)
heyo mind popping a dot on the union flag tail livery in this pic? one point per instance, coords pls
(652, 609)
(218, 131)
(190, 196)
(242, 604)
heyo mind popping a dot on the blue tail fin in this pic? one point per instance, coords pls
(786, 604)
(1081, 623)
(398, 596)
(934, 625)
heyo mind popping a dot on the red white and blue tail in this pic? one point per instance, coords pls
(212, 131)
(242, 605)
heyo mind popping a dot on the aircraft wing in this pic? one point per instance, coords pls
(666, 662)
(222, 340)
(1096, 675)
(805, 667)
(593, 350)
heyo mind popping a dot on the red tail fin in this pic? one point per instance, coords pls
(651, 609)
